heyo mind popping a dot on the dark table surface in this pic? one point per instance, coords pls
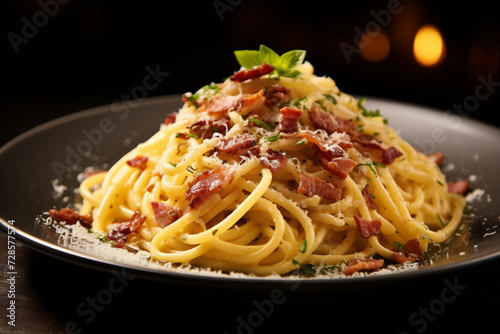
(54, 296)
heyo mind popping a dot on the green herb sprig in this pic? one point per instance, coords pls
(284, 65)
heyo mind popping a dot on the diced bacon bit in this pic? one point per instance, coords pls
(323, 120)
(310, 185)
(330, 151)
(437, 157)
(222, 104)
(339, 166)
(370, 141)
(208, 183)
(459, 187)
(253, 73)
(243, 103)
(368, 198)
(252, 102)
(139, 162)
(206, 127)
(289, 120)
(390, 155)
(236, 143)
(273, 160)
(165, 214)
(368, 228)
(119, 233)
(170, 119)
(71, 217)
(385, 153)
(356, 265)
(336, 144)
(412, 251)
(277, 93)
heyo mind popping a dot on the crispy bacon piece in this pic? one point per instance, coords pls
(222, 104)
(170, 119)
(310, 185)
(368, 228)
(323, 120)
(378, 149)
(236, 143)
(119, 233)
(437, 157)
(335, 144)
(253, 73)
(277, 93)
(273, 160)
(242, 103)
(71, 217)
(208, 183)
(139, 162)
(412, 251)
(339, 166)
(356, 265)
(368, 198)
(206, 127)
(366, 139)
(289, 120)
(165, 214)
(390, 155)
(459, 187)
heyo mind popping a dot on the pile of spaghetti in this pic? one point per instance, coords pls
(272, 169)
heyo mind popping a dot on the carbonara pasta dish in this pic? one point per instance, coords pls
(269, 170)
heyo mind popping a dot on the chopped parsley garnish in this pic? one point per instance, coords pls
(192, 135)
(260, 123)
(371, 166)
(303, 248)
(273, 138)
(191, 169)
(284, 65)
(204, 92)
(440, 220)
(102, 237)
(369, 113)
(299, 101)
(330, 98)
(301, 142)
(398, 246)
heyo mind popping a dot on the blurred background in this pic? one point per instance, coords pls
(63, 56)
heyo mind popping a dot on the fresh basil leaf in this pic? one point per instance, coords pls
(267, 55)
(248, 58)
(284, 65)
(293, 58)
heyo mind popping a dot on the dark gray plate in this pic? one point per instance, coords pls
(100, 136)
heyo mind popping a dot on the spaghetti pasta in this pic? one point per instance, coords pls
(265, 172)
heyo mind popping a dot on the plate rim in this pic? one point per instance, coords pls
(93, 262)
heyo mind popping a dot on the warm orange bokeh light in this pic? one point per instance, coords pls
(428, 46)
(375, 46)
